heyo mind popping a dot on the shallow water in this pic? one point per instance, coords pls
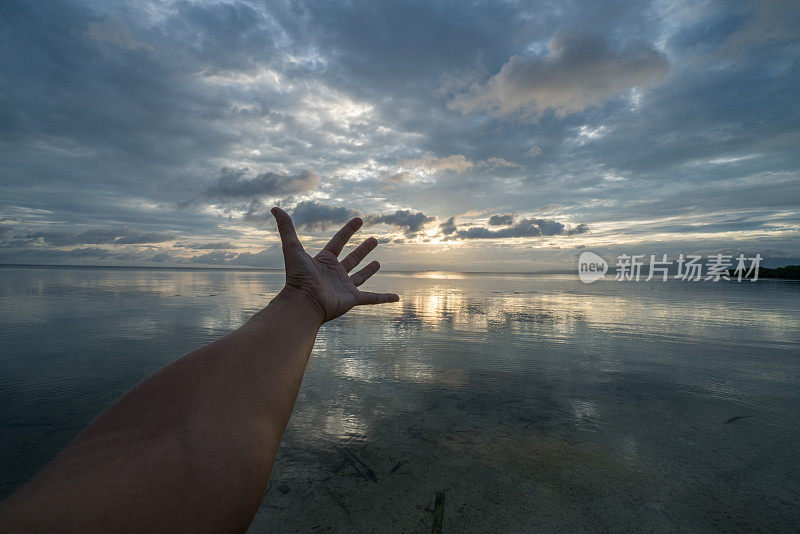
(531, 401)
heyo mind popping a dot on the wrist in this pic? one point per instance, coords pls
(302, 302)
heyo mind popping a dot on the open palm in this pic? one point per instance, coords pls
(324, 278)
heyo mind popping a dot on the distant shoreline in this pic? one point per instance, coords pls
(156, 267)
(789, 272)
(253, 269)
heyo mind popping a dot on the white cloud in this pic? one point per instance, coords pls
(458, 163)
(534, 152)
(428, 162)
(581, 70)
(494, 163)
(586, 133)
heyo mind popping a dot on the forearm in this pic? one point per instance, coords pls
(189, 448)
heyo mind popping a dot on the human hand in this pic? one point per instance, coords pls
(324, 278)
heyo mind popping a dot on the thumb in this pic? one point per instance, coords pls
(286, 229)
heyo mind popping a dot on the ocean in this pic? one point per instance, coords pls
(531, 401)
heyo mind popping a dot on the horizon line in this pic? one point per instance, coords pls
(276, 269)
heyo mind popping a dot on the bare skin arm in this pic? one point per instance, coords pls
(191, 448)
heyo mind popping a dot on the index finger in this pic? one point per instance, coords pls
(338, 241)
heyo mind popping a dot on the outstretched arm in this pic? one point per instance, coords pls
(191, 447)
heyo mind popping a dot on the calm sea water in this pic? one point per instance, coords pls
(533, 402)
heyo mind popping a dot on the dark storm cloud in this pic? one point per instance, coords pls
(72, 85)
(581, 69)
(80, 255)
(397, 42)
(448, 227)
(161, 257)
(501, 220)
(523, 228)
(268, 258)
(315, 215)
(271, 258)
(220, 245)
(235, 184)
(410, 222)
(135, 238)
(213, 258)
(100, 236)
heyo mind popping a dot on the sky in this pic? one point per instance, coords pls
(469, 136)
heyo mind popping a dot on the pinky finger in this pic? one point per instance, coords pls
(368, 297)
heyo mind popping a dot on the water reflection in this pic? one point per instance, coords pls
(516, 393)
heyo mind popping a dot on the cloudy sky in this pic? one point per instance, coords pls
(468, 136)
